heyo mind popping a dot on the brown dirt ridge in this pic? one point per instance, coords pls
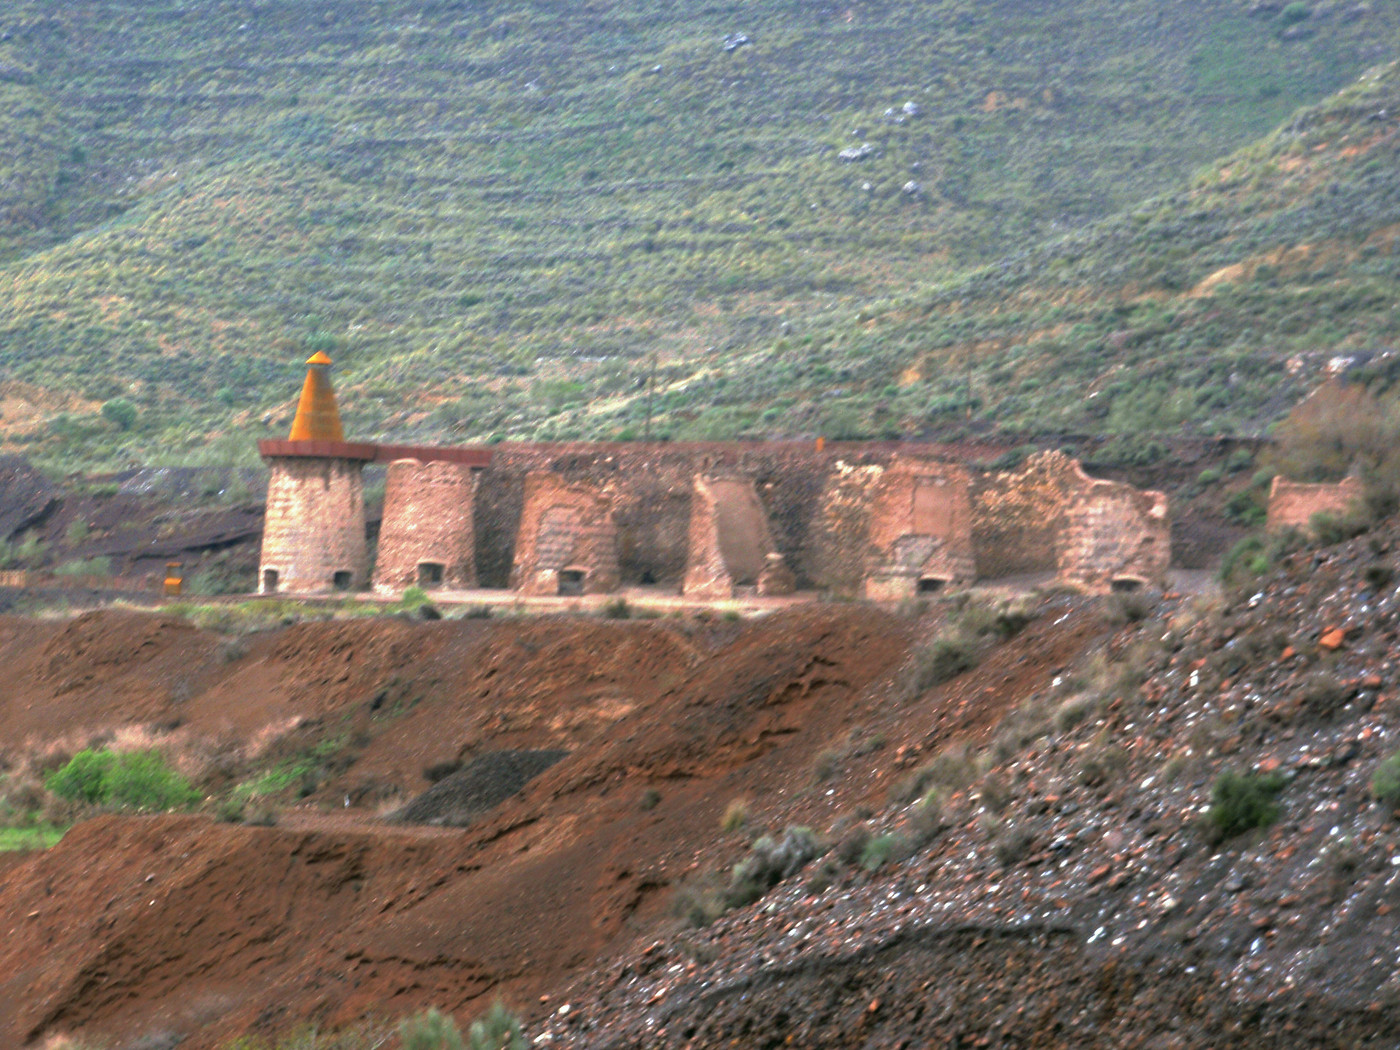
(182, 924)
(1058, 887)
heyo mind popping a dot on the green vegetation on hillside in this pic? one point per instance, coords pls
(1210, 310)
(494, 218)
(135, 780)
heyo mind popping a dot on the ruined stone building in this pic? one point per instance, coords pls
(731, 545)
(567, 540)
(709, 520)
(1292, 504)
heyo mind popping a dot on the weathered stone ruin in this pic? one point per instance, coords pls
(920, 530)
(567, 542)
(731, 546)
(427, 536)
(760, 521)
(1292, 504)
(711, 521)
(1095, 535)
(1114, 537)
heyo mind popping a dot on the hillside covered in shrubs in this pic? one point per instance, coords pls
(504, 221)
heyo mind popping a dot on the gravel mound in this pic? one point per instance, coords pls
(482, 783)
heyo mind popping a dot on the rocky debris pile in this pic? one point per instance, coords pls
(483, 783)
(1088, 883)
(26, 496)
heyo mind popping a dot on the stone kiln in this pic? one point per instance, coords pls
(426, 537)
(567, 542)
(314, 524)
(712, 520)
(731, 545)
(920, 530)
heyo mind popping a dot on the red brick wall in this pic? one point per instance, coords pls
(920, 527)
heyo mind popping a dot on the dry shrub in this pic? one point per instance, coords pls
(1012, 845)
(736, 815)
(952, 769)
(851, 845)
(973, 626)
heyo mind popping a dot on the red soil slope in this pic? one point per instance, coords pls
(181, 925)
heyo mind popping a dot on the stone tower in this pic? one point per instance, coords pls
(427, 537)
(314, 529)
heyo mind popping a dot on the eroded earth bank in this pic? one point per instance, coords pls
(1011, 840)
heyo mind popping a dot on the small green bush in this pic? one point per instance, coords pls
(1246, 507)
(1329, 529)
(431, 1031)
(882, 849)
(85, 567)
(953, 769)
(768, 862)
(942, 660)
(415, 596)
(136, 780)
(498, 1030)
(1385, 782)
(617, 609)
(83, 778)
(1244, 801)
(120, 412)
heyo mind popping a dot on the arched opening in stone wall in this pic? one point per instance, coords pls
(430, 573)
(1126, 584)
(931, 584)
(269, 581)
(342, 579)
(571, 582)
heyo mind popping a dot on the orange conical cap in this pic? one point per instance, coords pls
(317, 417)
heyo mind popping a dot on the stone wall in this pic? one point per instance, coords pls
(426, 537)
(567, 536)
(920, 533)
(314, 529)
(1017, 515)
(1114, 537)
(839, 516)
(1050, 516)
(846, 519)
(1292, 504)
(651, 486)
(730, 544)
